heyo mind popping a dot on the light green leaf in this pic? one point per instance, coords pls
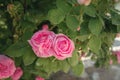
(83, 37)
(90, 10)
(73, 61)
(28, 56)
(66, 8)
(78, 69)
(16, 50)
(72, 22)
(95, 26)
(64, 65)
(42, 62)
(56, 16)
(115, 18)
(94, 44)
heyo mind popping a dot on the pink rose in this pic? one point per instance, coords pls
(63, 47)
(39, 78)
(7, 67)
(17, 74)
(42, 41)
(84, 2)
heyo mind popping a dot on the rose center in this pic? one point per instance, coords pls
(62, 45)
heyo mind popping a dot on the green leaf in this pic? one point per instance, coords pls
(27, 35)
(78, 69)
(83, 37)
(76, 10)
(62, 28)
(72, 22)
(28, 26)
(115, 18)
(118, 28)
(73, 61)
(95, 26)
(94, 44)
(18, 61)
(56, 16)
(63, 65)
(47, 64)
(90, 10)
(29, 56)
(66, 8)
(16, 50)
(42, 61)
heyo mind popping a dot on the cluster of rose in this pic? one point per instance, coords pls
(45, 44)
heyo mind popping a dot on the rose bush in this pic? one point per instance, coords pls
(77, 28)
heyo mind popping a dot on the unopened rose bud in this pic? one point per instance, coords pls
(78, 29)
(84, 2)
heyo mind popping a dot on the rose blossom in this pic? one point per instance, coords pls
(63, 47)
(7, 67)
(84, 2)
(17, 74)
(42, 41)
(39, 78)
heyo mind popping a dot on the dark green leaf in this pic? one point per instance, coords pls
(28, 26)
(27, 35)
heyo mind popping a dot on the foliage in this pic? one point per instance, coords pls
(19, 19)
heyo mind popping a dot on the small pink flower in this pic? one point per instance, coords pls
(111, 62)
(117, 53)
(84, 2)
(7, 67)
(17, 74)
(39, 78)
(42, 41)
(63, 47)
